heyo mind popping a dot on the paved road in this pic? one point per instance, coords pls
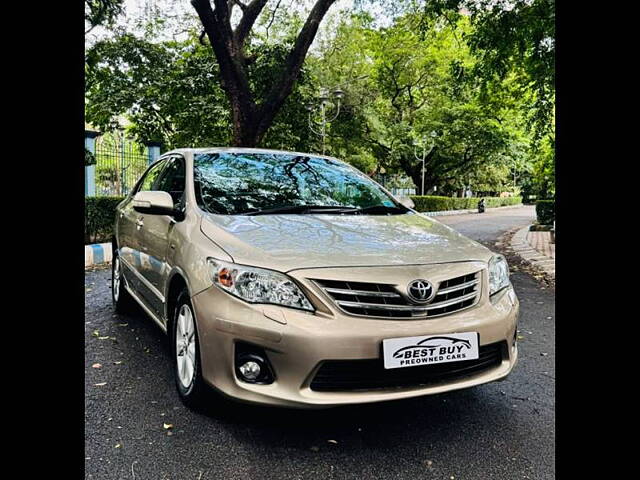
(501, 430)
(488, 226)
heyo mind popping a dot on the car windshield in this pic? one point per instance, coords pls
(252, 183)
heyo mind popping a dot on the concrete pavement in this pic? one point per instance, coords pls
(536, 249)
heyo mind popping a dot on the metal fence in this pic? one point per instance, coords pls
(120, 162)
(398, 184)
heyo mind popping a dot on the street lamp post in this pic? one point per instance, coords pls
(433, 135)
(320, 109)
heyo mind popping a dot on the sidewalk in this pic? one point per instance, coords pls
(536, 248)
(541, 241)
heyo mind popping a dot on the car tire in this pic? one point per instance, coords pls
(185, 348)
(122, 300)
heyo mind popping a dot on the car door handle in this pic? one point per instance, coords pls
(139, 223)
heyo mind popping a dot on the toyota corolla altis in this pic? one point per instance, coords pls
(293, 279)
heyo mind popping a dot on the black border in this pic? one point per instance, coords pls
(43, 220)
(44, 216)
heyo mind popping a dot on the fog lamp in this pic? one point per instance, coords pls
(252, 364)
(250, 370)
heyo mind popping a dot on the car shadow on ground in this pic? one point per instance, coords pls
(441, 417)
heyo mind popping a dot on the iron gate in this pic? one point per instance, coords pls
(120, 162)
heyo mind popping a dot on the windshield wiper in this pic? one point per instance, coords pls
(302, 209)
(379, 209)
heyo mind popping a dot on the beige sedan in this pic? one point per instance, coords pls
(293, 279)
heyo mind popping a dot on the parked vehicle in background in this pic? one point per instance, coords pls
(293, 279)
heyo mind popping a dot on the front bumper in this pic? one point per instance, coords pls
(296, 343)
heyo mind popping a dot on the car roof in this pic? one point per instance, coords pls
(246, 150)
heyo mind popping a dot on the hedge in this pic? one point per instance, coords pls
(429, 203)
(99, 215)
(546, 211)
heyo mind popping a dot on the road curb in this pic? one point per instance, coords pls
(97, 253)
(466, 212)
(524, 250)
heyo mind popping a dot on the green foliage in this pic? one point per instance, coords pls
(428, 203)
(290, 130)
(491, 202)
(99, 216)
(544, 170)
(520, 40)
(102, 12)
(514, 38)
(402, 84)
(170, 93)
(430, 70)
(126, 75)
(89, 158)
(119, 163)
(546, 211)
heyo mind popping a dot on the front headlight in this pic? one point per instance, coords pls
(257, 285)
(498, 274)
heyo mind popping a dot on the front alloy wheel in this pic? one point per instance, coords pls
(185, 346)
(186, 353)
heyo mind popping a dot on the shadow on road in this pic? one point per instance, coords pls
(385, 422)
(460, 418)
(435, 418)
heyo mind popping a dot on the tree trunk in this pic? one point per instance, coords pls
(245, 131)
(250, 121)
(416, 176)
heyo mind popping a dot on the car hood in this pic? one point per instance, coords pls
(289, 242)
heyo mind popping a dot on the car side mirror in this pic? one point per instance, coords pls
(406, 202)
(154, 203)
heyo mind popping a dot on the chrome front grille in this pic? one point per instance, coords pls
(385, 300)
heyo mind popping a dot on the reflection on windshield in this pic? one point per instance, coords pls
(236, 183)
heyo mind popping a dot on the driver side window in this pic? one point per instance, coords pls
(150, 180)
(172, 179)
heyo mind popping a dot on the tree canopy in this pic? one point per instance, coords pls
(102, 12)
(469, 84)
(511, 38)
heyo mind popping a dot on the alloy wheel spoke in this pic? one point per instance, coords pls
(188, 371)
(185, 346)
(181, 326)
(116, 279)
(188, 321)
(181, 368)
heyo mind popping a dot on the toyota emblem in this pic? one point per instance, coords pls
(421, 291)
